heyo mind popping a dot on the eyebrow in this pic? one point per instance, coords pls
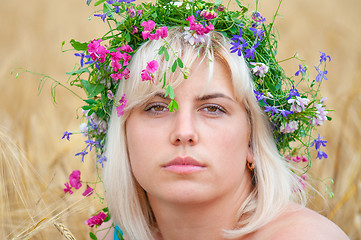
(213, 95)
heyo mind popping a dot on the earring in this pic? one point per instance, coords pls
(250, 166)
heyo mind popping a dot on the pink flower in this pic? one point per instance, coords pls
(148, 26)
(162, 32)
(152, 66)
(145, 34)
(260, 69)
(125, 73)
(88, 191)
(96, 220)
(67, 188)
(146, 76)
(126, 48)
(74, 179)
(321, 116)
(122, 104)
(289, 127)
(97, 51)
(135, 30)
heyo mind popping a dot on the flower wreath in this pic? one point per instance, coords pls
(294, 114)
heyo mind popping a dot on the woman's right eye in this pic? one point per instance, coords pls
(156, 108)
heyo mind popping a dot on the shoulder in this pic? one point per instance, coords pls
(300, 223)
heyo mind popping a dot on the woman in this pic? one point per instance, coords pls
(209, 170)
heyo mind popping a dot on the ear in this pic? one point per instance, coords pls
(250, 156)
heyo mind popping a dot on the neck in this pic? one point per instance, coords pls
(197, 221)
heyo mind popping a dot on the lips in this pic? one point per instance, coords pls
(184, 165)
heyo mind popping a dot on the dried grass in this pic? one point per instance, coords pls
(35, 162)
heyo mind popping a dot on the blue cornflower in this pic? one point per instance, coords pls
(93, 124)
(293, 92)
(318, 142)
(67, 135)
(272, 109)
(249, 53)
(285, 113)
(90, 144)
(321, 75)
(82, 56)
(300, 70)
(257, 33)
(88, 2)
(321, 155)
(324, 57)
(237, 47)
(82, 153)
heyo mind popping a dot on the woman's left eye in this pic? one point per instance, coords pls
(213, 109)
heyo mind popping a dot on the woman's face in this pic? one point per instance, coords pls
(197, 153)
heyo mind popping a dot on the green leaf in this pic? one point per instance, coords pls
(169, 92)
(154, 15)
(119, 235)
(180, 63)
(80, 71)
(166, 54)
(107, 218)
(92, 89)
(161, 50)
(90, 101)
(87, 107)
(92, 236)
(128, 37)
(173, 105)
(80, 46)
(174, 66)
(99, 2)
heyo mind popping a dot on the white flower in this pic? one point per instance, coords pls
(289, 127)
(192, 37)
(298, 104)
(320, 116)
(84, 129)
(260, 69)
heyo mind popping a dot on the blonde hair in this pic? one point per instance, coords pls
(274, 182)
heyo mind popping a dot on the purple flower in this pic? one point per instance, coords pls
(321, 75)
(300, 70)
(256, 16)
(318, 142)
(324, 57)
(321, 155)
(102, 16)
(238, 38)
(293, 92)
(67, 135)
(82, 56)
(237, 47)
(101, 159)
(285, 113)
(88, 2)
(272, 109)
(249, 53)
(82, 153)
(257, 33)
(259, 96)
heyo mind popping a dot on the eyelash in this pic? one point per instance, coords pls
(218, 109)
(151, 107)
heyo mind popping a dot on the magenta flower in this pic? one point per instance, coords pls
(122, 104)
(97, 51)
(96, 220)
(126, 48)
(162, 32)
(74, 179)
(148, 26)
(152, 66)
(88, 191)
(135, 30)
(145, 75)
(67, 188)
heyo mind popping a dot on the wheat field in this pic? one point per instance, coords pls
(35, 161)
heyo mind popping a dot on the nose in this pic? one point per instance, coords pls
(184, 131)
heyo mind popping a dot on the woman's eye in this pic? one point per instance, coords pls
(214, 109)
(156, 108)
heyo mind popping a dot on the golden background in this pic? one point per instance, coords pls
(31, 36)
